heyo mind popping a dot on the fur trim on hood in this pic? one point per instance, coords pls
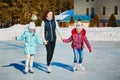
(74, 31)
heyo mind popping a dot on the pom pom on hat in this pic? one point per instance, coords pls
(34, 17)
(79, 25)
(32, 25)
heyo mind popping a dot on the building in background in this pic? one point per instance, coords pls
(64, 18)
(103, 8)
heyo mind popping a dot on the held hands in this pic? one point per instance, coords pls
(62, 39)
(45, 42)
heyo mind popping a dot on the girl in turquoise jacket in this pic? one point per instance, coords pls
(31, 37)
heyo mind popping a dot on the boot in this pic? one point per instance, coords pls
(31, 70)
(75, 67)
(27, 63)
(31, 64)
(49, 69)
(80, 67)
(26, 69)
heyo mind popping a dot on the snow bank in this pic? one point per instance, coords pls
(104, 34)
(94, 34)
(11, 32)
(98, 34)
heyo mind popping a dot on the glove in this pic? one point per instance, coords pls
(63, 40)
(90, 50)
(15, 38)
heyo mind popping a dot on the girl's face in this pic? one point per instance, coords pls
(50, 15)
(78, 30)
(32, 30)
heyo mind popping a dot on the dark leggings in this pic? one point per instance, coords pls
(50, 50)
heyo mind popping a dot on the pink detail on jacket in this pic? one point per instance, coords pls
(78, 39)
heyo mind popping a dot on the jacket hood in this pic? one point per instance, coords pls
(74, 31)
(28, 26)
(32, 25)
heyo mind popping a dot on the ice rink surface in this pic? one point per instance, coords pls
(102, 64)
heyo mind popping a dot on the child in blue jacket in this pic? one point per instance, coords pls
(31, 37)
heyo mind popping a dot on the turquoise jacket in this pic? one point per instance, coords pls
(30, 42)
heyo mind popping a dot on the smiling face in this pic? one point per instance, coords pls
(78, 30)
(32, 30)
(50, 15)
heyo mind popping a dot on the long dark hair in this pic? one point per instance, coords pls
(46, 12)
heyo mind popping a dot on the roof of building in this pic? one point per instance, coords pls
(68, 12)
(84, 18)
(60, 17)
(65, 16)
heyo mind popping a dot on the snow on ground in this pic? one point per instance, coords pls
(94, 34)
(98, 34)
(11, 32)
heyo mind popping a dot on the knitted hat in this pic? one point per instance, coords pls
(79, 25)
(32, 25)
(34, 17)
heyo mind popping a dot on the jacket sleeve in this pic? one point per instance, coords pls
(87, 43)
(43, 30)
(58, 29)
(38, 39)
(21, 38)
(68, 40)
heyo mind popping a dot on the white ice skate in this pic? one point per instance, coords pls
(80, 67)
(75, 67)
(26, 69)
(31, 70)
(49, 69)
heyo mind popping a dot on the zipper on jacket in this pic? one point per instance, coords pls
(51, 31)
(77, 38)
(30, 43)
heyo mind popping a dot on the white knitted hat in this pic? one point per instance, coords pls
(32, 25)
(34, 17)
(79, 25)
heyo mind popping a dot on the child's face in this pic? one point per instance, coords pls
(78, 30)
(32, 30)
